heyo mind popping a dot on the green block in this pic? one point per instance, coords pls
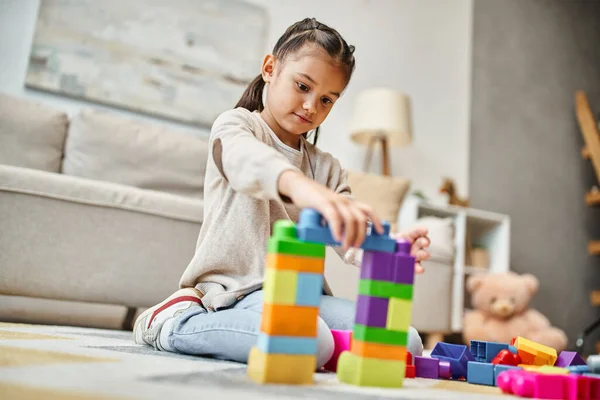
(283, 241)
(385, 289)
(379, 335)
(363, 371)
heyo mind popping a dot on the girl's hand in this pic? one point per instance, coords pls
(347, 218)
(420, 243)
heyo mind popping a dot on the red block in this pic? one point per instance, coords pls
(505, 357)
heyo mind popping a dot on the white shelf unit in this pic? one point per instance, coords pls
(486, 229)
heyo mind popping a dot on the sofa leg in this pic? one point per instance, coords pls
(128, 321)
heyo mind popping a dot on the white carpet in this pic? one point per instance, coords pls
(58, 362)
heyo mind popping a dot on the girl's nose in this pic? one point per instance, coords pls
(309, 106)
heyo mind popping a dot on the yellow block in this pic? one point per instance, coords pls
(281, 368)
(528, 367)
(534, 353)
(296, 263)
(399, 313)
(547, 369)
(280, 286)
(363, 371)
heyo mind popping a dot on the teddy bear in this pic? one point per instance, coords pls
(500, 302)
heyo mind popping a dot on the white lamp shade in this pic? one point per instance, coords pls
(381, 111)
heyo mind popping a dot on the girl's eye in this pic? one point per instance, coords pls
(326, 101)
(302, 87)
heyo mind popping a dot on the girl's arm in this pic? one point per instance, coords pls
(249, 165)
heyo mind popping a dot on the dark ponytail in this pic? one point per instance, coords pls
(307, 31)
(252, 97)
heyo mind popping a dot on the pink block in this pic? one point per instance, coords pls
(341, 340)
(531, 384)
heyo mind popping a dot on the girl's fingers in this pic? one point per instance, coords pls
(377, 223)
(349, 226)
(334, 219)
(361, 226)
(419, 268)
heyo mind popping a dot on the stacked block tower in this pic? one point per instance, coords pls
(287, 344)
(377, 355)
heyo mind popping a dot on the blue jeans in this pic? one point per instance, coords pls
(230, 334)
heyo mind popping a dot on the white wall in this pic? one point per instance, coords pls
(421, 47)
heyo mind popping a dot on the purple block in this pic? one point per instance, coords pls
(569, 359)
(371, 311)
(445, 370)
(396, 267)
(427, 367)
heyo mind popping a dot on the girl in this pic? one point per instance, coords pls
(262, 168)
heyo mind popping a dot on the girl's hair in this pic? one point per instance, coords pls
(307, 31)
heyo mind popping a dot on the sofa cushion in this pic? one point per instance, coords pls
(32, 135)
(111, 148)
(384, 193)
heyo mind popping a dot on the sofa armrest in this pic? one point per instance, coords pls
(69, 238)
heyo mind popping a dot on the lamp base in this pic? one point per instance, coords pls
(385, 158)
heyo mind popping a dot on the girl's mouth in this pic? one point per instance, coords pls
(303, 119)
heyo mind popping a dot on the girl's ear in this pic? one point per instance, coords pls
(268, 67)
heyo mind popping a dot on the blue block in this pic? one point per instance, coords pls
(486, 351)
(309, 289)
(287, 344)
(578, 369)
(513, 349)
(499, 368)
(457, 355)
(480, 373)
(312, 227)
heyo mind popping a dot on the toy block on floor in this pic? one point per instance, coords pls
(480, 373)
(427, 367)
(505, 357)
(457, 355)
(500, 368)
(486, 351)
(549, 369)
(411, 371)
(281, 368)
(578, 369)
(364, 371)
(445, 370)
(313, 228)
(544, 386)
(342, 341)
(378, 350)
(534, 353)
(568, 359)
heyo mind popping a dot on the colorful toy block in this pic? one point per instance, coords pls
(427, 367)
(549, 369)
(364, 371)
(287, 346)
(480, 373)
(411, 371)
(379, 335)
(445, 370)
(578, 369)
(385, 289)
(533, 353)
(486, 351)
(505, 357)
(500, 368)
(457, 355)
(341, 340)
(382, 267)
(378, 350)
(313, 228)
(568, 359)
(284, 241)
(309, 289)
(545, 386)
(382, 321)
(371, 311)
(281, 368)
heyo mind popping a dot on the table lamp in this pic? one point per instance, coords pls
(381, 115)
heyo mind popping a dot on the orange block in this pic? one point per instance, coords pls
(378, 350)
(279, 320)
(296, 263)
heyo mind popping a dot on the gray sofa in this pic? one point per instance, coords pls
(99, 214)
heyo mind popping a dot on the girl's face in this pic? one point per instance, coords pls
(302, 90)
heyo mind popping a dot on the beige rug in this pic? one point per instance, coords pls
(57, 362)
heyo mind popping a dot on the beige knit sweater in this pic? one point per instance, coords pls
(242, 202)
